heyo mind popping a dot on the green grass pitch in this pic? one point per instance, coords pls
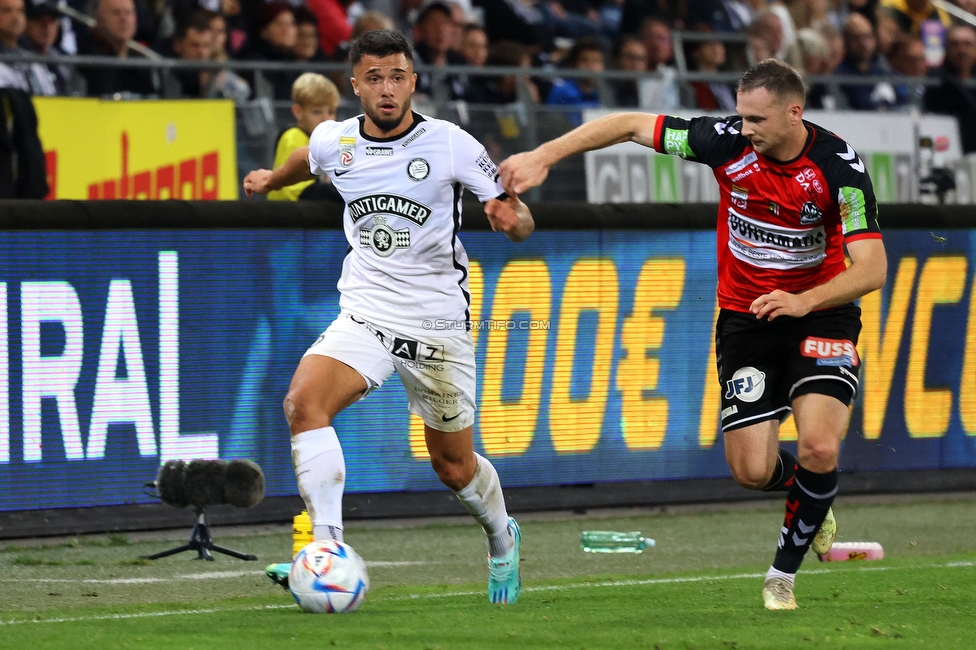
(698, 588)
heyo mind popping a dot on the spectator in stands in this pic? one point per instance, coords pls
(370, 21)
(709, 56)
(812, 13)
(659, 89)
(503, 90)
(907, 57)
(32, 78)
(815, 54)
(13, 21)
(667, 12)
(40, 36)
(315, 99)
(863, 59)
(572, 18)
(953, 97)
(517, 20)
(193, 41)
(911, 15)
(22, 169)
(720, 15)
(276, 42)
(474, 44)
(768, 27)
(586, 54)
(227, 84)
(115, 26)
(835, 41)
(629, 54)
(434, 34)
(333, 23)
(236, 27)
(307, 41)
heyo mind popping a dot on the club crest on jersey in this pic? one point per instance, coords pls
(810, 214)
(418, 169)
(347, 151)
(747, 384)
(383, 239)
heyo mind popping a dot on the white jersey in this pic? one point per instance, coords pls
(403, 212)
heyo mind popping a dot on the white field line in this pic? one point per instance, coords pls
(456, 594)
(212, 575)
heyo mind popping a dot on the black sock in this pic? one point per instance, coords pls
(783, 475)
(806, 507)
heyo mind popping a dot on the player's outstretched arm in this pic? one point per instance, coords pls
(867, 272)
(294, 170)
(510, 216)
(524, 171)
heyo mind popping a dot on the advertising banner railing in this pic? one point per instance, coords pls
(124, 348)
(98, 149)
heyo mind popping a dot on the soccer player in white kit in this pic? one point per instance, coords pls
(401, 175)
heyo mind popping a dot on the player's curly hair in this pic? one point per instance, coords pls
(380, 42)
(779, 78)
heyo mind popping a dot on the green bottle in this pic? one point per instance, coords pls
(611, 541)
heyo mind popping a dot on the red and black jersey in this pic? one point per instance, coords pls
(781, 225)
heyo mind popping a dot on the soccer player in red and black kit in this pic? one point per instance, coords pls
(792, 196)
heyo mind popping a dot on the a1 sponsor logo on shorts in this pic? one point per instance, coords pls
(830, 352)
(747, 384)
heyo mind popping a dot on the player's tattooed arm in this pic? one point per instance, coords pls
(524, 171)
(294, 170)
(510, 216)
(867, 272)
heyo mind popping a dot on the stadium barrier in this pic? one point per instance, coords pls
(139, 332)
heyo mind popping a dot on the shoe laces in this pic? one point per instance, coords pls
(780, 589)
(500, 568)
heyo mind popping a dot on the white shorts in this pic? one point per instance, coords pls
(438, 373)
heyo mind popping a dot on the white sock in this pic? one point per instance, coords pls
(776, 573)
(321, 471)
(483, 498)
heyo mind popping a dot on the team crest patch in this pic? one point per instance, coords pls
(347, 151)
(383, 239)
(810, 214)
(418, 169)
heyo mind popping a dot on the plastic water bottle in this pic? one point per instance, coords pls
(845, 551)
(301, 532)
(611, 541)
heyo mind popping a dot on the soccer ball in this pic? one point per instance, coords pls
(328, 577)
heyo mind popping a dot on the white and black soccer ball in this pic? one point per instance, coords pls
(328, 577)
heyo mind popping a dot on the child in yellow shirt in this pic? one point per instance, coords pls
(315, 99)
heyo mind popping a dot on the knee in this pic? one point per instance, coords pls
(453, 473)
(301, 414)
(819, 456)
(751, 477)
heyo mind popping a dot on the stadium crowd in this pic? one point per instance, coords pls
(912, 38)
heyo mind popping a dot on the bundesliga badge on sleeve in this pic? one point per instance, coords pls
(347, 151)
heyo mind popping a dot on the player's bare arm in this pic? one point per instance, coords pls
(510, 216)
(524, 171)
(294, 170)
(867, 272)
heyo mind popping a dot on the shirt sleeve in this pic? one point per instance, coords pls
(323, 148)
(712, 141)
(473, 167)
(855, 196)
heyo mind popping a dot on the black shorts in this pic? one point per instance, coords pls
(763, 366)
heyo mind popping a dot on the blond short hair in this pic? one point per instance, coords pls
(312, 89)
